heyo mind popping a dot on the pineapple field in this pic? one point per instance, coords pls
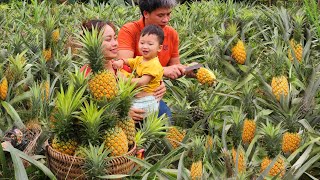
(252, 111)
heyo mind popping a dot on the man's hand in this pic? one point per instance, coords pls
(136, 114)
(174, 71)
(117, 64)
(160, 91)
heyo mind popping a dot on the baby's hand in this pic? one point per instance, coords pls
(117, 64)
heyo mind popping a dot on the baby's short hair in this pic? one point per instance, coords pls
(155, 30)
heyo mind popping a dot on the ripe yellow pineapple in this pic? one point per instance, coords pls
(68, 146)
(3, 88)
(205, 76)
(280, 86)
(277, 168)
(239, 52)
(241, 159)
(197, 152)
(116, 141)
(47, 54)
(175, 136)
(290, 142)
(297, 50)
(196, 170)
(128, 127)
(249, 129)
(103, 84)
(55, 35)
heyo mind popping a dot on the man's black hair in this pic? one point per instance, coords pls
(151, 5)
(155, 30)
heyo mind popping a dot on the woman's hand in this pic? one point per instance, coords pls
(117, 64)
(136, 114)
(160, 91)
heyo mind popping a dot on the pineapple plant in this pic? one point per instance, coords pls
(48, 39)
(238, 155)
(64, 129)
(102, 84)
(197, 152)
(17, 67)
(205, 76)
(249, 124)
(175, 135)
(3, 86)
(295, 45)
(55, 35)
(279, 82)
(271, 140)
(127, 91)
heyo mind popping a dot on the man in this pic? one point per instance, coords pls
(155, 12)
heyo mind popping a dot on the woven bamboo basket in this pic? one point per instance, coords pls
(70, 167)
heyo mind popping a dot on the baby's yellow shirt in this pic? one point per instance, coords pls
(152, 68)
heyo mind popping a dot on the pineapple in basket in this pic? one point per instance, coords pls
(114, 138)
(127, 91)
(64, 124)
(197, 152)
(102, 84)
(271, 140)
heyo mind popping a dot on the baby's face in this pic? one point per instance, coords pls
(149, 46)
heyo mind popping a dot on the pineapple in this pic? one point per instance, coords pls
(280, 86)
(103, 84)
(239, 52)
(16, 68)
(64, 129)
(237, 152)
(271, 136)
(290, 142)
(205, 76)
(249, 129)
(277, 167)
(295, 51)
(3, 88)
(240, 156)
(55, 35)
(209, 142)
(175, 136)
(47, 54)
(45, 85)
(279, 82)
(197, 152)
(116, 141)
(127, 91)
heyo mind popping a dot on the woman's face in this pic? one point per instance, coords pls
(110, 43)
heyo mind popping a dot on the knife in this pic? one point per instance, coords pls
(193, 67)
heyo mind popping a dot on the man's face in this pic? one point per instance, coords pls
(160, 17)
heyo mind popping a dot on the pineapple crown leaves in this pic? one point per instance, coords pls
(299, 21)
(91, 119)
(92, 48)
(152, 127)
(279, 58)
(197, 147)
(96, 160)
(67, 104)
(271, 137)
(77, 78)
(49, 26)
(110, 115)
(237, 117)
(126, 93)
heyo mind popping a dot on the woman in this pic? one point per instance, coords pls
(110, 45)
